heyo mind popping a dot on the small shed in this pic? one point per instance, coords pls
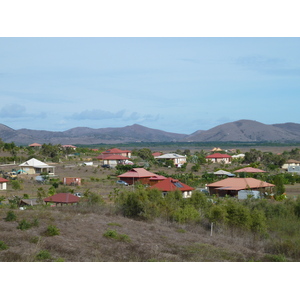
(3, 183)
(72, 181)
(62, 198)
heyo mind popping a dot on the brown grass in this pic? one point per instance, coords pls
(81, 239)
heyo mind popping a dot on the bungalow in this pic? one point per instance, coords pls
(231, 186)
(171, 184)
(3, 183)
(112, 160)
(219, 158)
(62, 198)
(176, 158)
(249, 170)
(223, 173)
(291, 163)
(116, 151)
(35, 145)
(34, 166)
(137, 175)
(69, 146)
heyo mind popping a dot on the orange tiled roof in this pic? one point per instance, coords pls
(250, 170)
(137, 173)
(240, 184)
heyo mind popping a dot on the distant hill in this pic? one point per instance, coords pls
(247, 131)
(238, 131)
(86, 136)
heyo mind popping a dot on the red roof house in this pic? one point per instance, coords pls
(171, 184)
(35, 145)
(219, 158)
(116, 151)
(62, 198)
(112, 159)
(3, 182)
(231, 186)
(137, 174)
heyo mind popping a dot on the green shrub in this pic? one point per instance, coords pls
(24, 225)
(186, 214)
(10, 216)
(3, 246)
(112, 234)
(43, 255)
(52, 230)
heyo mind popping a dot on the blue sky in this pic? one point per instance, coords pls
(174, 84)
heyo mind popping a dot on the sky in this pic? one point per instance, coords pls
(191, 73)
(175, 84)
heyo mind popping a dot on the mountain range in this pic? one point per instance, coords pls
(238, 131)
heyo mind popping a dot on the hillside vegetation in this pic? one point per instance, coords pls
(132, 223)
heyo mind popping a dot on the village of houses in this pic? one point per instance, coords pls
(221, 209)
(92, 172)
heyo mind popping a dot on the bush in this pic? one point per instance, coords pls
(24, 225)
(43, 255)
(3, 246)
(186, 214)
(10, 216)
(113, 234)
(52, 230)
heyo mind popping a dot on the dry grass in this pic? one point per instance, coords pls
(81, 239)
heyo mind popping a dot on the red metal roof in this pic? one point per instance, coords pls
(137, 173)
(35, 145)
(249, 170)
(3, 180)
(115, 151)
(218, 155)
(171, 184)
(157, 154)
(62, 198)
(112, 157)
(158, 177)
(238, 184)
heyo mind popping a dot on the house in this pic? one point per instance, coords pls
(35, 145)
(3, 183)
(249, 170)
(137, 175)
(34, 166)
(290, 163)
(112, 159)
(231, 186)
(294, 169)
(116, 151)
(75, 181)
(155, 154)
(62, 198)
(219, 158)
(176, 158)
(155, 179)
(223, 173)
(69, 146)
(171, 184)
(241, 155)
(215, 149)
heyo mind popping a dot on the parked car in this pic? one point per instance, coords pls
(122, 182)
(106, 166)
(78, 194)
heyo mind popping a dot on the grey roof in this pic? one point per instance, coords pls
(171, 155)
